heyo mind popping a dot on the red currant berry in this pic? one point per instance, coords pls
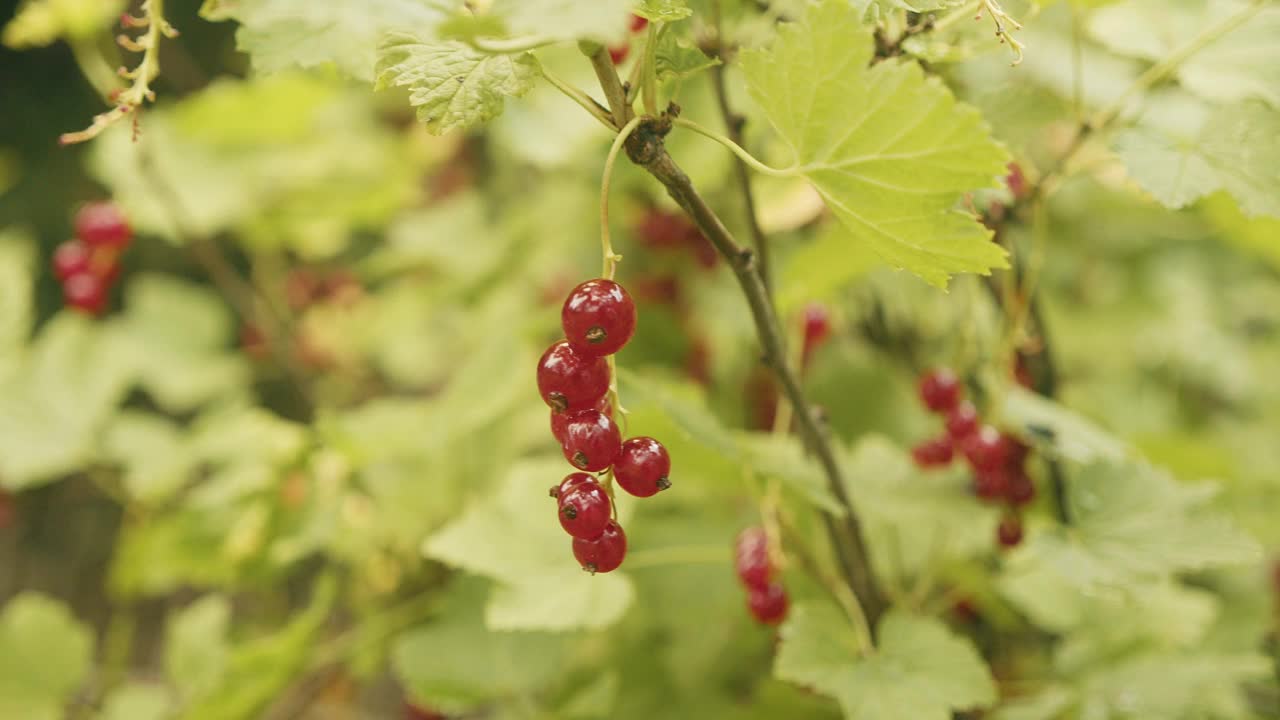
(988, 449)
(605, 553)
(1016, 181)
(85, 292)
(560, 420)
(962, 421)
(1021, 491)
(642, 467)
(618, 54)
(1010, 531)
(571, 481)
(817, 328)
(101, 224)
(598, 317)
(934, 452)
(638, 23)
(940, 390)
(991, 485)
(71, 258)
(570, 380)
(584, 509)
(591, 441)
(659, 229)
(751, 558)
(768, 604)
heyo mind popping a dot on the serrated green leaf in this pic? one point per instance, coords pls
(1058, 430)
(662, 10)
(1236, 150)
(280, 34)
(1243, 64)
(44, 655)
(151, 448)
(1254, 235)
(41, 22)
(920, 670)
(196, 653)
(137, 701)
(875, 9)
(1159, 685)
(782, 457)
(676, 58)
(453, 86)
(500, 539)
(890, 150)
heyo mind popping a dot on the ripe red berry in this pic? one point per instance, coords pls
(619, 53)
(85, 292)
(659, 229)
(570, 380)
(940, 390)
(751, 558)
(934, 452)
(569, 482)
(817, 328)
(768, 604)
(584, 509)
(591, 441)
(1009, 534)
(101, 224)
(598, 317)
(560, 420)
(605, 553)
(642, 467)
(1021, 491)
(1016, 181)
(988, 449)
(638, 23)
(962, 421)
(70, 258)
(991, 485)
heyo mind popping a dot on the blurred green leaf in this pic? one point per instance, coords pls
(663, 10)
(137, 701)
(676, 57)
(44, 655)
(156, 460)
(17, 281)
(1057, 430)
(196, 652)
(41, 22)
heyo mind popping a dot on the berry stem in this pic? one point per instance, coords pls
(649, 72)
(737, 149)
(606, 244)
(579, 97)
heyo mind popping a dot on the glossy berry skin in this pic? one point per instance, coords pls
(768, 604)
(991, 485)
(570, 380)
(598, 317)
(85, 292)
(1020, 491)
(751, 558)
(619, 53)
(605, 553)
(1009, 534)
(560, 420)
(584, 509)
(934, 452)
(591, 441)
(940, 390)
(70, 258)
(988, 449)
(569, 482)
(962, 421)
(101, 224)
(643, 467)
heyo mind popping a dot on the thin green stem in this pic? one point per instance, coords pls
(649, 73)
(737, 149)
(597, 111)
(956, 15)
(510, 46)
(606, 244)
(607, 74)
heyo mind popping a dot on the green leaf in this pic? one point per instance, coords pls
(890, 150)
(44, 655)
(137, 701)
(782, 457)
(690, 414)
(1243, 64)
(279, 34)
(500, 539)
(920, 670)
(1236, 150)
(604, 21)
(876, 9)
(663, 10)
(1047, 704)
(821, 268)
(41, 22)
(17, 280)
(1057, 430)
(195, 651)
(454, 86)
(676, 57)
(151, 448)
(1253, 235)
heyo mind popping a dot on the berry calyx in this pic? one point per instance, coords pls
(101, 224)
(584, 509)
(1009, 533)
(569, 482)
(642, 467)
(570, 380)
(598, 317)
(934, 452)
(988, 449)
(71, 258)
(940, 390)
(618, 54)
(751, 558)
(591, 441)
(962, 421)
(85, 292)
(605, 553)
(560, 420)
(768, 605)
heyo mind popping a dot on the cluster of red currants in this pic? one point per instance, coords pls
(998, 460)
(618, 53)
(766, 597)
(598, 318)
(88, 265)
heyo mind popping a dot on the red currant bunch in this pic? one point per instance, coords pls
(998, 460)
(598, 319)
(766, 596)
(88, 265)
